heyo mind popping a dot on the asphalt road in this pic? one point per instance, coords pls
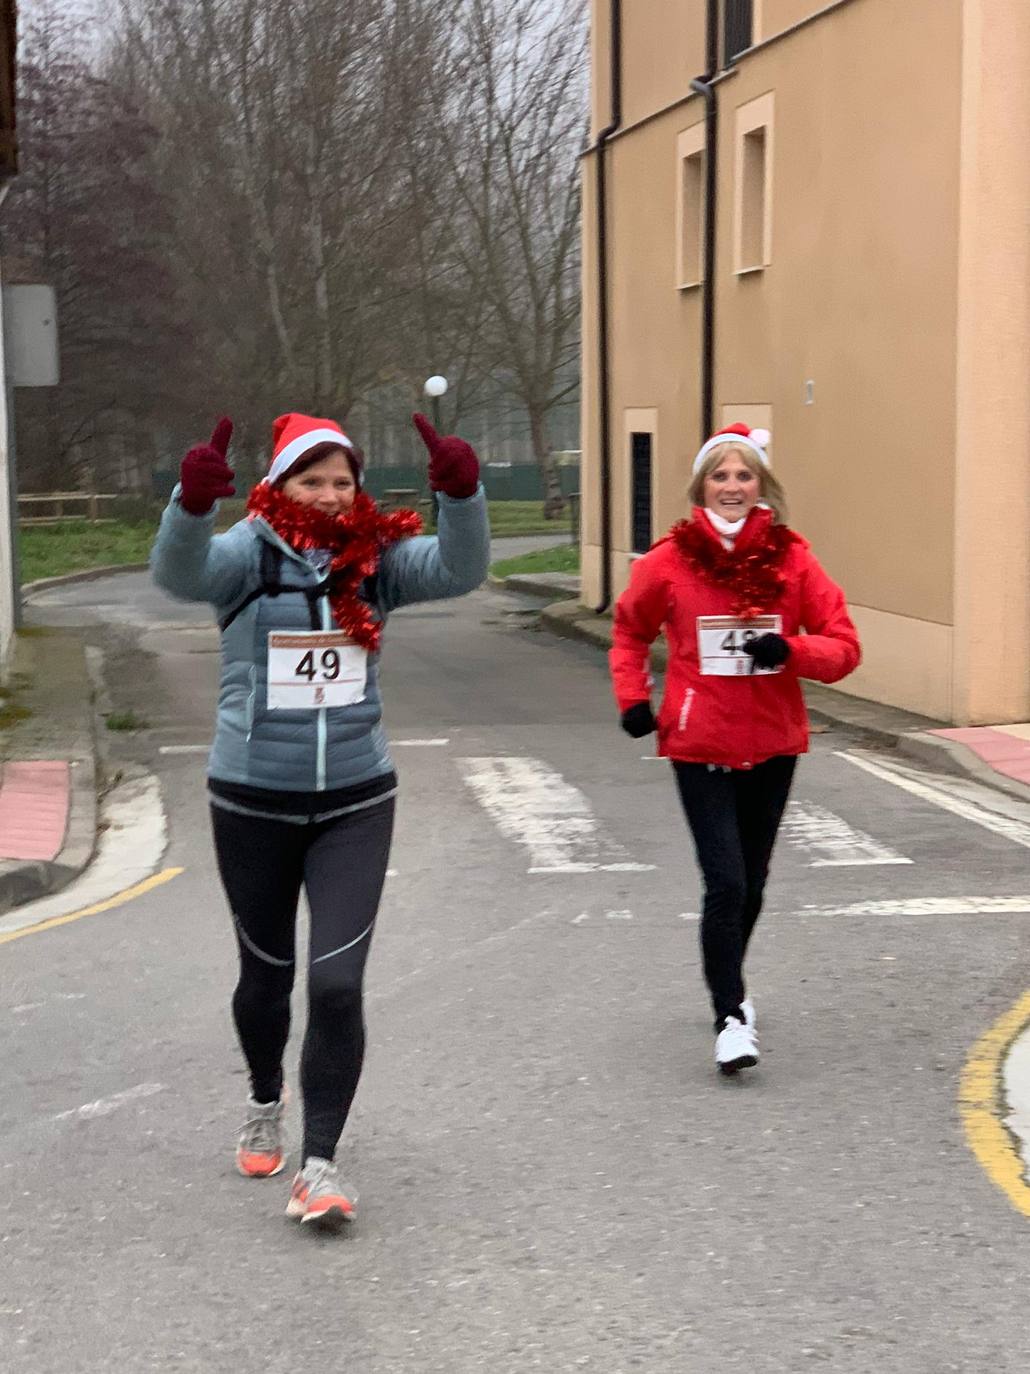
(551, 1175)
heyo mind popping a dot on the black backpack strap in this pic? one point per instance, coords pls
(314, 595)
(270, 570)
(271, 584)
(370, 588)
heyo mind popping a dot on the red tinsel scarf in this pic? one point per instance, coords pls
(753, 570)
(355, 541)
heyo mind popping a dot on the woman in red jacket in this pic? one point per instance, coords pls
(733, 588)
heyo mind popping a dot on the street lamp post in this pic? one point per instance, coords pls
(435, 387)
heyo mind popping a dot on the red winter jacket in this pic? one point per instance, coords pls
(743, 720)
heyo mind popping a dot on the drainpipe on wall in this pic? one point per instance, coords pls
(604, 342)
(704, 86)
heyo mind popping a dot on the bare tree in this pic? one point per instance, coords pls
(87, 216)
(262, 204)
(512, 114)
(276, 135)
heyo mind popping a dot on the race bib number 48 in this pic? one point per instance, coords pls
(721, 640)
(312, 669)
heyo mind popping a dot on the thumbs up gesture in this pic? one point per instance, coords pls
(205, 475)
(453, 465)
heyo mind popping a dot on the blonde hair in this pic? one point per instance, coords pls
(769, 490)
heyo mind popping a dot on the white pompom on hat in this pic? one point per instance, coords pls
(295, 435)
(757, 440)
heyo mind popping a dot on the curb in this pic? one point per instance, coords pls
(572, 620)
(43, 584)
(526, 585)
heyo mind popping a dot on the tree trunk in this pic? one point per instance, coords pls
(554, 501)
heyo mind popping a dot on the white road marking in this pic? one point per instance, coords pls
(418, 743)
(104, 1106)
(184, 748)
(619, 915)
(993, 811)
(131, 842)
(910, 906)
(831, 841)
(461, 954)
(534, 806)
(926, 906)
(1016, 1080)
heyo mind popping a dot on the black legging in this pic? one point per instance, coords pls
(342, 865)
(733, 816)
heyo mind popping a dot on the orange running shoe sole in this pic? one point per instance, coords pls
(259, 1166)
(327, 1213)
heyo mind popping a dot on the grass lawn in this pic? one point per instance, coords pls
(563, 559)
(523, 517)
(75, 545)
(52, 550)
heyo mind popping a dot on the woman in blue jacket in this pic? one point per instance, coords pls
(300, 778)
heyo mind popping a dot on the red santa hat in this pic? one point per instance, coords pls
(295, 435)
(757, 440)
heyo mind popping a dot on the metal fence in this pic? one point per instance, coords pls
(33, 507)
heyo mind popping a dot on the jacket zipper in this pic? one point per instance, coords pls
(688, 702)
(323, 722)
(251, 697)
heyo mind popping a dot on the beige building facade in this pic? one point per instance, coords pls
(866, 275)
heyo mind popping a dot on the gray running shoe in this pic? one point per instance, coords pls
(318, 1197)
(259, 1153)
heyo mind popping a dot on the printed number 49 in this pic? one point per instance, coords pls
(328, 665)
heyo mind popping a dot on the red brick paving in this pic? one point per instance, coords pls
(34, 800)
(1005, 753)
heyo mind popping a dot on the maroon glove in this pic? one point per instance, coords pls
(453, 465)
(205, 475)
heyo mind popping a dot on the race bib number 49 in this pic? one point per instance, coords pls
(721, 641)
(311, 669)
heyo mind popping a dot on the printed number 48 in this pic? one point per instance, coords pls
(328, 666)
(730, 646)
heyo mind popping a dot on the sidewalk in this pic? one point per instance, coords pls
(997, 756)
(47, 766)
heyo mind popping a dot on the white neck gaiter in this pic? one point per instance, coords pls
(726, 529)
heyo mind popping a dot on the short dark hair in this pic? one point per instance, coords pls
(354, 456)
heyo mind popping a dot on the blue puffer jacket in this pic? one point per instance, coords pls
(316, 750)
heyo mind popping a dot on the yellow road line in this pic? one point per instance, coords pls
(983, 1106)
(117, 900)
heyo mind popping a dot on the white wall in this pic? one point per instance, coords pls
(6, 554)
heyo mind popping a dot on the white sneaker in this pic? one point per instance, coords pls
(736, 1047)
(748, 1008)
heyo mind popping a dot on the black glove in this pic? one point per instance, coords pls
(768, 651)
(638, 720)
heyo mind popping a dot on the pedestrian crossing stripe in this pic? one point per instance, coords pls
(830, 841)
